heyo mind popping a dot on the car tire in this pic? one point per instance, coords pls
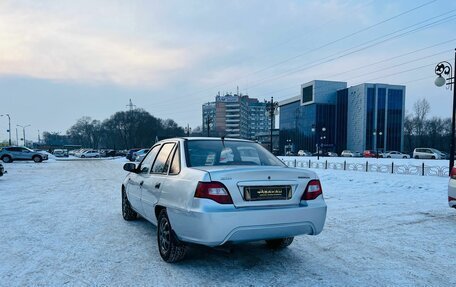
(83, 156)
(404, 157)
(170, 248)
(7, 159)
(432, 157)
(388, 156)
(279, 243)
(37, 158)
(417, 157)
(127, 211)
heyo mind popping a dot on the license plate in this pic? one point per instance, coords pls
(254, 193)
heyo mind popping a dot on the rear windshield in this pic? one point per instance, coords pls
(218, 153)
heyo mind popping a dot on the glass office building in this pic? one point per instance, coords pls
(335, 118)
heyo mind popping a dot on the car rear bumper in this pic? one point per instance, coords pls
(214, 224)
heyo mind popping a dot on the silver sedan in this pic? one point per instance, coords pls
(214, 191)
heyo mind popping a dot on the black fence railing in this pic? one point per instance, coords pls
(394, 168)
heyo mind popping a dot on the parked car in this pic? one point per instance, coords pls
(395, 154)
(140, 154)
(452, 188)
(444, 155)
(108, 153)
(304, 153)
(12, 153)
(60, 153)
(2, 170)
(129, 155)
(349, 153)
(332, 154)
(90, 154)
(426, 153)
(369, 153)
(204, 191)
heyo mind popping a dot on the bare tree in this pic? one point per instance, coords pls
(421, 109)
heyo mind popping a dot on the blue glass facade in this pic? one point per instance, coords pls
(341, 120)
(380, 106)
(370, 118)
(395, 119)
(297, 122)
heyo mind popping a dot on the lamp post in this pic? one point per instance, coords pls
(445, 68)
(288, 147)
(188, 129)
(9, 127)
(271, 109)
(23, 133)
(321, 138)
(375, 140)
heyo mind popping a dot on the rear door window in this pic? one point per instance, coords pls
(161, 163)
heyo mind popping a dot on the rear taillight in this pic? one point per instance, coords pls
(453, 173)
(313, 190)
(213, 190)
(451, 199)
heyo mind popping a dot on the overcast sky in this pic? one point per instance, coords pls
(61, 60)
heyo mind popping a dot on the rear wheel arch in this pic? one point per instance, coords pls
(158, 209)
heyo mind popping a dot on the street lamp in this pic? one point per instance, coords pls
(445, 68)
(288, 147)
(23, 132)
(271, 110)
(375, 140)
(188, 129)
(321, 138)
(9, 127)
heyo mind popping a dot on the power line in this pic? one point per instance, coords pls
(361, 47)
(322, 46)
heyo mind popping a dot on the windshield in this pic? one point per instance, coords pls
(218, 153)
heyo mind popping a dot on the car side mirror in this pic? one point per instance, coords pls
(130, 167)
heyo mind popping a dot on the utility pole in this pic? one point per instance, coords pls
(39, 140)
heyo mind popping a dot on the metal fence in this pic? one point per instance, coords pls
(394, 168)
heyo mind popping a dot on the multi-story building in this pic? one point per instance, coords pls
(236, 116)
(329, 116)
(370, 116)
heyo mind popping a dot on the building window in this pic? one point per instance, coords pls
(307, 94)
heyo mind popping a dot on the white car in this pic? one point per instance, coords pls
(304, 153)
(428, 153)
(452, 188)
(89, 154)
(349, 153)
(395, 154)
(215, 191)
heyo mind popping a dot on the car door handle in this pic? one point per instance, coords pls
(157, 186)
(141, 183)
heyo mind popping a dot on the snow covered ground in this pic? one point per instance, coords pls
(60, 224)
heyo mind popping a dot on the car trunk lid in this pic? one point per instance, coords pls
(262, 186)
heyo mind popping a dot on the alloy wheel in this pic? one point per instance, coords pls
(164, 236)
